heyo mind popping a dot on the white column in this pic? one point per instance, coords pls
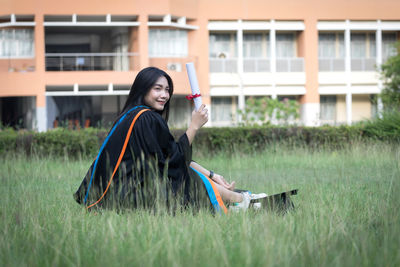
(41, 119)
(347, 43)
(239, 38)
(379, 62)
(309, 113)
(349, 112)
(378, 39)
(272, 42)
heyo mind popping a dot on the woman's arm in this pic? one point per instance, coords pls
(199, 118)
(216, 177)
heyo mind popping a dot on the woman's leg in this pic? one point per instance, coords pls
(228, 195)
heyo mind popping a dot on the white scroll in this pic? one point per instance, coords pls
(194, 84)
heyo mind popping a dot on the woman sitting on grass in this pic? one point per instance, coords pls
(139, 149)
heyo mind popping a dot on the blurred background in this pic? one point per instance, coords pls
(72, 63)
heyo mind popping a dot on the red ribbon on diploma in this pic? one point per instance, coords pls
(191, 97)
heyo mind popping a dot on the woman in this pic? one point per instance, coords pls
(140, 149)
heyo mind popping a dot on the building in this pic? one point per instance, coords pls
(74, 62)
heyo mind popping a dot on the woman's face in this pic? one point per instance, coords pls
(158, 94)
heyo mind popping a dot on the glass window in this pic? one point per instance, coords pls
(16, 43)
(327, 45)
(221, 110)
(331, 45)
(328, 108)
(222, 45)
(363, 45)
(372, 45)
(358, 45)
(168, 43)
(285, 45)
(255, 45)
(388, 45)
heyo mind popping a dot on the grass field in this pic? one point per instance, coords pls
(348, 214)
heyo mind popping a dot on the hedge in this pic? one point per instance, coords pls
(86, 142)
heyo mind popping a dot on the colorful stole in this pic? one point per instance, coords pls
(120, 156)
(213, 193)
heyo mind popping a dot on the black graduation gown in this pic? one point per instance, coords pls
(154, 167)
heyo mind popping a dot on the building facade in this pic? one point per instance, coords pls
(74, 62)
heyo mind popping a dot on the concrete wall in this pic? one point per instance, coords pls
(361, 106)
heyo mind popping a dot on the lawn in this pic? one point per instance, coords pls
(348, 214)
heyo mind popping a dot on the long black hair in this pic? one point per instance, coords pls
(144, 81)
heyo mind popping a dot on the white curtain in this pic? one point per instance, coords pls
(285, 45)
(331, 45)
(388, 45)
(358, 45)
(168, 43)
(16, 43)
(327, 45)
(253, 45)
(222, 43)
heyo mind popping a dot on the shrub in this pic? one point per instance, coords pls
(86, 142)
(386, 128)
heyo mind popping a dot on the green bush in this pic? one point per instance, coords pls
(250, 139)
(385, 128)
(86, 142)
(57, 142)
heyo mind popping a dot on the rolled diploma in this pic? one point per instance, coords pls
(194, 84)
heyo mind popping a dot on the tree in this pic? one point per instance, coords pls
(261, 110)
(390, 73)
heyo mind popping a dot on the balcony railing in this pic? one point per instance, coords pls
(256, 65)
(331, 64)
(290, 64)
(91, 61)
(363, 64)
(176, 64)
(223, 65)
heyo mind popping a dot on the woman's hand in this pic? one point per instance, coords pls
(219, 179)
(199, 118)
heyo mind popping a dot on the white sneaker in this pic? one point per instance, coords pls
(257, 196)
(256, 205)
(243, 205)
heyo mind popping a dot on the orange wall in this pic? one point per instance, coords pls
(211, 9)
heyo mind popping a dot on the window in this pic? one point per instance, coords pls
(221, 109)
(16, 43)
(222, 45)
(168, 43)
(255, 45)
(388, 45)
(328, 108)
(285, 45)
(363, 45)
(331, 45)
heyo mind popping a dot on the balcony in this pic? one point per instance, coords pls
(363, 64)
(227, 65)
(331, 64)
(290, 64)
(223, 65)
(256, 65)
(92, 61)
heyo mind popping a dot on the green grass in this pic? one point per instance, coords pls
(348, 214)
